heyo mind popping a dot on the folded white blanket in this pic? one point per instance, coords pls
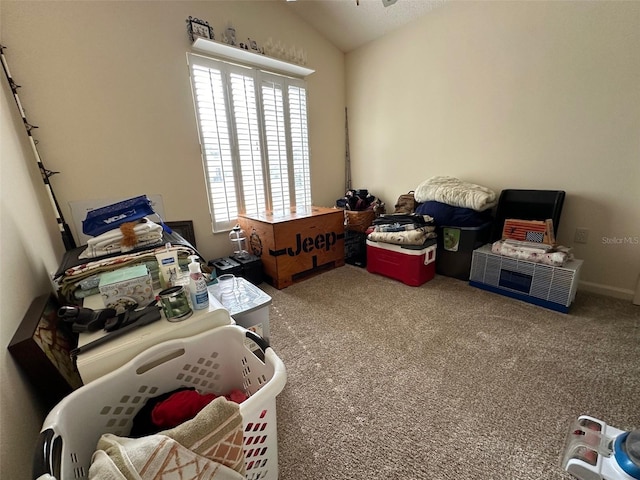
(147, 233)
(454, 192)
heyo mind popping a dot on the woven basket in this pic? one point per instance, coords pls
(358, 220)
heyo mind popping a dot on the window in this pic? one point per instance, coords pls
(254, 139)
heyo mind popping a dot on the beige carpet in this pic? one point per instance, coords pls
(442, 381)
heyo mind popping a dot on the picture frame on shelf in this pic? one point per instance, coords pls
(199, 29)
(41, 346)
(184, 228)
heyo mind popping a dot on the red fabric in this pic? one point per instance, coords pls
(184, 405)
(179, 407)
(237, 396)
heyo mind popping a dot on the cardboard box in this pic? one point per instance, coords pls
(412, 266)
(122, 288)
(297, 243)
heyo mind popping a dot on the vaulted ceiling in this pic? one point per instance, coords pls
(349, 24)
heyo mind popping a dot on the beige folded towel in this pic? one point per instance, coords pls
(209, 446)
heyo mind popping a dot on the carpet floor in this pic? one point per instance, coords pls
(442, 381)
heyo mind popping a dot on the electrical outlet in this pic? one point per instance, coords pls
(581, 236)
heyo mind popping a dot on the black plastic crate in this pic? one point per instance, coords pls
(226, 265)
(355, 248)
(251, 268)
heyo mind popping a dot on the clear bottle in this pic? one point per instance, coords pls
(197, 285)
(239, 242)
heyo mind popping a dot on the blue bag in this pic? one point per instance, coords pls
(112, 216)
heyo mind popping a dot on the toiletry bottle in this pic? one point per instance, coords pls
(197, 285)
(168, 265)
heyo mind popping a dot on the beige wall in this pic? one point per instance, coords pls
(108, 84)
(509, 95)
(532, 95)
(31, 247)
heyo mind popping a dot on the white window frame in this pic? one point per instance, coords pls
(278, 150)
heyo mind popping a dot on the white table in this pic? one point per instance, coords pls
(248, 307)
(114, 353)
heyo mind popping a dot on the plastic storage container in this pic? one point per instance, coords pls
(407, 264)
(456, 246)
(217, 361)
(249, 306)
(550, 287)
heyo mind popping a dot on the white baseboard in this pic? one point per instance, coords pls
(615, 292)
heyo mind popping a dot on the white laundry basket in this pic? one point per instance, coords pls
(217, 361)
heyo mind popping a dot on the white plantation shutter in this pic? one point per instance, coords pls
(300, 144)
(249, 150)
(276, 140)
(254, 139)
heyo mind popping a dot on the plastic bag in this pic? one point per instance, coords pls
(112, 216)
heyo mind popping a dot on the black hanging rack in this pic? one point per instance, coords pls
(65, 231)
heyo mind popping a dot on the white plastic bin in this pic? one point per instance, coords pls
(216, 361)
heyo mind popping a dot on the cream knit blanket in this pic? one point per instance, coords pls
(456, 193)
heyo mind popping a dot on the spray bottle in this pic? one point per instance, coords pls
(197, 285)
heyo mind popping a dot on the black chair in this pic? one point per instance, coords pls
(528, 205)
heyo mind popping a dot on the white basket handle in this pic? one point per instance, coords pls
(172, 349)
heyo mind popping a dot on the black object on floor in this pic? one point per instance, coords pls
(251, 268)
(226, 265)
(355, 248)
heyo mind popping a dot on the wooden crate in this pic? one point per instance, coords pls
(296, 244)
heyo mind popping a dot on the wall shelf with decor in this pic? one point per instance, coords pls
(248, 57)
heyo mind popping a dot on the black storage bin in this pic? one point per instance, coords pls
(528, 205)
(456, 246)
(355, 248)
(226, 265)
(250, 268)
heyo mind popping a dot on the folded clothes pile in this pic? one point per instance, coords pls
(402, 229)
(124, 238)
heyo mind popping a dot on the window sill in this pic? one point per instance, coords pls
(246, 57)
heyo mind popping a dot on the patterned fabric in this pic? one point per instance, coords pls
(72, 277)
(208, 447)
(411, 237)
(556, 256)
(394, 227)
(534, 237)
